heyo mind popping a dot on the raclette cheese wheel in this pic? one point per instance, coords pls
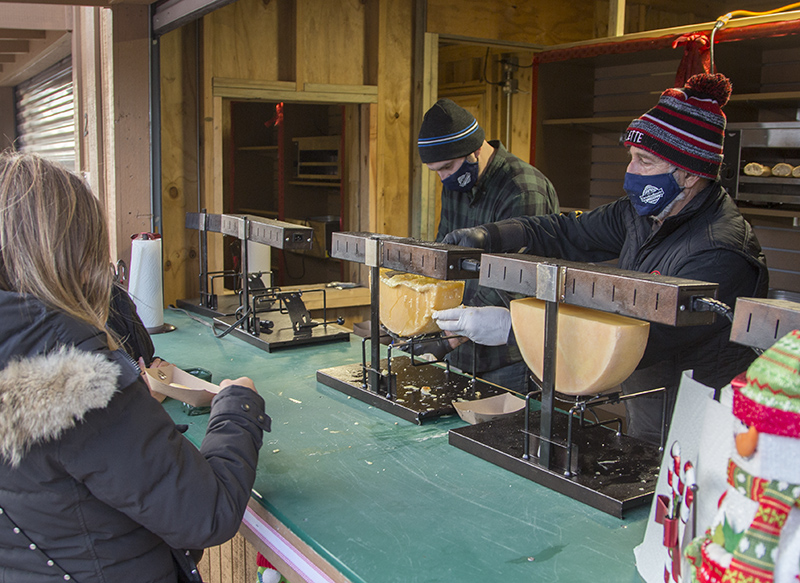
(596, 350)
(407, 301)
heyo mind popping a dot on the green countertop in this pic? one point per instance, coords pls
(385, 500)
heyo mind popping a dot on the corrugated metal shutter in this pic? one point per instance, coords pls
(45, 106)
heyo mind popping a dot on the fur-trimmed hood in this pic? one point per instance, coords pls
(43, 396)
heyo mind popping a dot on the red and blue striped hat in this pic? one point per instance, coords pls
(687, 127)
(448, 132)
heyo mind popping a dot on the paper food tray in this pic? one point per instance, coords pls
(487, 409)
(181, 386)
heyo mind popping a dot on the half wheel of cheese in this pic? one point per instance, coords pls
(595, 350)
(407, 301)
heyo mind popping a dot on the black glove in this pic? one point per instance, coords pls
(475, 237)
(501, 237)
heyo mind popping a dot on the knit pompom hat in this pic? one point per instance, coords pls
(687, 126)
(770, 397)
(448, 132)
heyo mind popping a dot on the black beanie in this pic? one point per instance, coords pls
(448, 131)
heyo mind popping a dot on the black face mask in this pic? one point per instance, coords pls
(463, 179)
(651, 194)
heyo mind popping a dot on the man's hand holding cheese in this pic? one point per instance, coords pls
(486, 325)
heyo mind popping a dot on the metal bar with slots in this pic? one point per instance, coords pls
(270, 232)
(655, 298)
(761, 322)
(437, 260)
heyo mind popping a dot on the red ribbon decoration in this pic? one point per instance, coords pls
(696, 56)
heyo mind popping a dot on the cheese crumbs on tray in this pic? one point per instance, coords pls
(407, 301)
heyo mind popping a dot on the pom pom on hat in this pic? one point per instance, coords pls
(716, 87)
(448, 132)
(770, 397)
(687, 126)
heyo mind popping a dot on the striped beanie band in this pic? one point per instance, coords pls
(687, 127)
(448, 132)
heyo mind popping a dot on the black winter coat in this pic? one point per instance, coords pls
(93, 471)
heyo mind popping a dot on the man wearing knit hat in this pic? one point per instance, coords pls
(676, 220)
(482, 182)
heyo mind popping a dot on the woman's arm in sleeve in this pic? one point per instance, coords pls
(131, 456)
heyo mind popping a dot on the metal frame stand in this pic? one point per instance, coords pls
(413, 389)
(289, 323)
(590, 463)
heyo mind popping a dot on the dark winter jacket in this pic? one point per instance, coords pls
(93, 472)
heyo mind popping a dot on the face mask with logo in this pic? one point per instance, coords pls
(463, 179)
(651, 194)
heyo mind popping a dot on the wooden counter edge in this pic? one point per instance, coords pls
(283, 562)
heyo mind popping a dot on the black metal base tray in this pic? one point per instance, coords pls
(282, 335)
(615, 472)
(409, 401)
(227, 305)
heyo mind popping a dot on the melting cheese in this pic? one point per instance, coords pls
(595, 350)
(407, 301)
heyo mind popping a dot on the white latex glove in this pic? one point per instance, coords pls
(488, 325)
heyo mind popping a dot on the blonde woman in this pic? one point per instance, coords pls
(96, 483)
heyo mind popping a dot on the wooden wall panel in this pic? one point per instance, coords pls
(545, 23)
(179, 170)
(781, 245)
(327, 40)
(781, 70)
(110, 57)
(8, 130)
(125, 40)
(245, 38)
(395, 135)
(631, 89)
(472, 76)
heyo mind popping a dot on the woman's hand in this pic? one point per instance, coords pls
(241, 381)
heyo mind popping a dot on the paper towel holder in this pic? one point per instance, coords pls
(121, 270)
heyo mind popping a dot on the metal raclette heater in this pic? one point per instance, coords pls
(588, 461)
(403, 385)
(263, 316)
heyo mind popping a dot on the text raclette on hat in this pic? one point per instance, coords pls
(687, 126)
(448, 132)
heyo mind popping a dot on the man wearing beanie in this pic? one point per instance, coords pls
(676, 220)
(482, 182)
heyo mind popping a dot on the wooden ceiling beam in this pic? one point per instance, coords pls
(21, 34)
(89, 2)
(16, 47)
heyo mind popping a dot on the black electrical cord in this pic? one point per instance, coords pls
(230, 328)
(701, 304)
(225, 332)
(483, 76)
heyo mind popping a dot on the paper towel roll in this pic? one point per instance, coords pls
(145, 287)
(259, 257)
